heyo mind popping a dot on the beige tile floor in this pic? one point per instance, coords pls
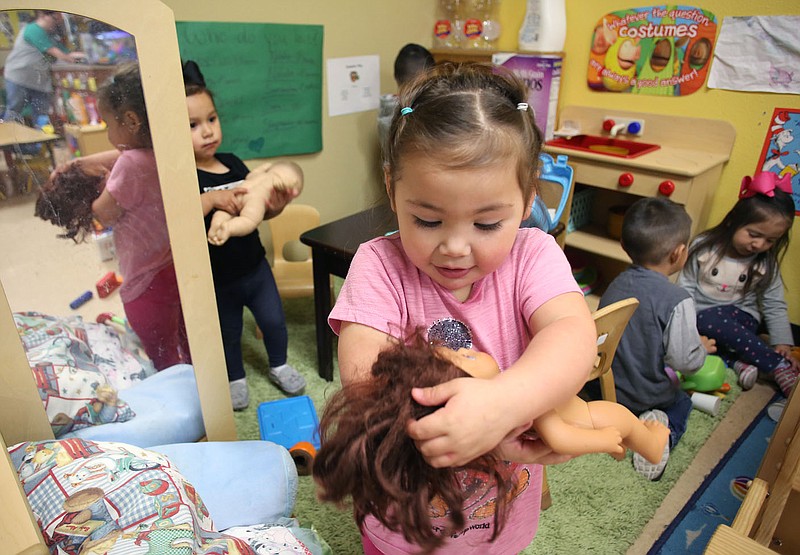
(42, 272)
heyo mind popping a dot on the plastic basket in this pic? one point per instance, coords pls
(289, 421)
(581, 211)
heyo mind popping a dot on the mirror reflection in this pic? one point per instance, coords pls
(87, 265)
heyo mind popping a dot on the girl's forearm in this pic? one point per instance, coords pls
(552, 369)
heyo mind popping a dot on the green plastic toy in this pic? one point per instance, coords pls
(710, 377)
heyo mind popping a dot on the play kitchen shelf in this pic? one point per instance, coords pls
(675, 157)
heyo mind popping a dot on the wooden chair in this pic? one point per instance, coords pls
(610, 322)
(767, 519)
(294, 277)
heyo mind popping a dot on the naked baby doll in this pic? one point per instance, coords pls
(366, 454)
(65, 200)
(259, 184)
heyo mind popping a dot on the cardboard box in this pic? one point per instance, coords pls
(86, 139)
(542, 74)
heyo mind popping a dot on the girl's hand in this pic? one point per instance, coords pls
(471, 422)
(521, 449)
(278, 200)
(786, 352)
(229, 200)
(710, 345)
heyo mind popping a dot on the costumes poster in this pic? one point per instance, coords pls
(657, 50)
(781, 151)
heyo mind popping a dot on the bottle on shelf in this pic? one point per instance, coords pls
(472, 26)
(445, 29)
(491, 25)
(544, 28)
(90, 101)
(77, 104)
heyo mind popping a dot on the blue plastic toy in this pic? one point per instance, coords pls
(558, 172)
(289, 421)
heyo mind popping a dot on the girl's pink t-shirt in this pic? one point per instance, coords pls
(385, 291)
(140, 234)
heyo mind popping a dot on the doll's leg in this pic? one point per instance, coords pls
(215, 230)
(246, 222)
(646, 438)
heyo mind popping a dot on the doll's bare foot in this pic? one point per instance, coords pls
(218, 234)
(661, 437)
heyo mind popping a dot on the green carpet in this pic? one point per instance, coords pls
(599, 505)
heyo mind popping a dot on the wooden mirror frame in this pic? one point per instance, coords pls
(153, 26)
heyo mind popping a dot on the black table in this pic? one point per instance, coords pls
(333, 247)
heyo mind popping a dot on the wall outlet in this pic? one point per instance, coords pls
(627, 122)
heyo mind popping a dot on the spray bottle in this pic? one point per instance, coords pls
(544, 28)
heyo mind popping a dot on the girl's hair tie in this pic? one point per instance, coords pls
(407, 110)
(522, 106)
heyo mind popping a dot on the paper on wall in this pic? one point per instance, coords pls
(353, 84)
(757, 53)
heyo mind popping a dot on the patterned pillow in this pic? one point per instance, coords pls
(115, 498)
(74, 391)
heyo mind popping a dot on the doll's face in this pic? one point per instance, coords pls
(474, 363)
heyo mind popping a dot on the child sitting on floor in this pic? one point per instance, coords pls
(661, 337)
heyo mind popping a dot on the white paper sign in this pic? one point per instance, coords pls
(757, 53)
(353, 84)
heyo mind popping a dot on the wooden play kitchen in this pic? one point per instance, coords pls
(616, 163)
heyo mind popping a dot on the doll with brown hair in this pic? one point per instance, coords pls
(65, 200)
(367, 455)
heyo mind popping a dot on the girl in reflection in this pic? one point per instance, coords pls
(130, 200)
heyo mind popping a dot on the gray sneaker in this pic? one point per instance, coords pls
(240, 394)
(652, 472)
(288, 379)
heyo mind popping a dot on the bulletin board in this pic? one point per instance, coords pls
(267, 83)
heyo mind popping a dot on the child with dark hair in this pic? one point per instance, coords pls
(368, 456)
(734, 275)
(661, 337)
(460, 169)
(234, 200)
(411, 61)
(130, 201)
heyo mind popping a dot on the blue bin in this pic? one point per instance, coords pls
(289, 421)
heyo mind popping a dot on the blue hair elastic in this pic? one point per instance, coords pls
(407, 110)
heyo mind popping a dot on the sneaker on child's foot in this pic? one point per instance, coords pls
(240, 395)
(652, 472)
(785, 377)
(288, 379)
(747, 374)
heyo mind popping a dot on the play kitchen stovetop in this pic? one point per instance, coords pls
(619, 156)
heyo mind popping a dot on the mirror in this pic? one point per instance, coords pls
(40, 272)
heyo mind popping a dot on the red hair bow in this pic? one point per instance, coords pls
(765, 183)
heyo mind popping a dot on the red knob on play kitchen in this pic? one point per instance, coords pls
(666, 188)
(625, 179)
(609, 124)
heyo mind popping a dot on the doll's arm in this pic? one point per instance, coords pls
(568, 439)
(286, 180)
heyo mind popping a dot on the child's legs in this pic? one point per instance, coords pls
(736, 331)
(157, 318)
(264, 302)
(678, 414)
(230, 305)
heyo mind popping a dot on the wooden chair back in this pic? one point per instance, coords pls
(610, 322)
(294, 277)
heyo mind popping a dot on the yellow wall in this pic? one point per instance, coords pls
(749, 113)
(344, 176)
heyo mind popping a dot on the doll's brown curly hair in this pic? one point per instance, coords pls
(367, 455)
(66, 201)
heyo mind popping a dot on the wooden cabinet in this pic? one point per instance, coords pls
(686, 169)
